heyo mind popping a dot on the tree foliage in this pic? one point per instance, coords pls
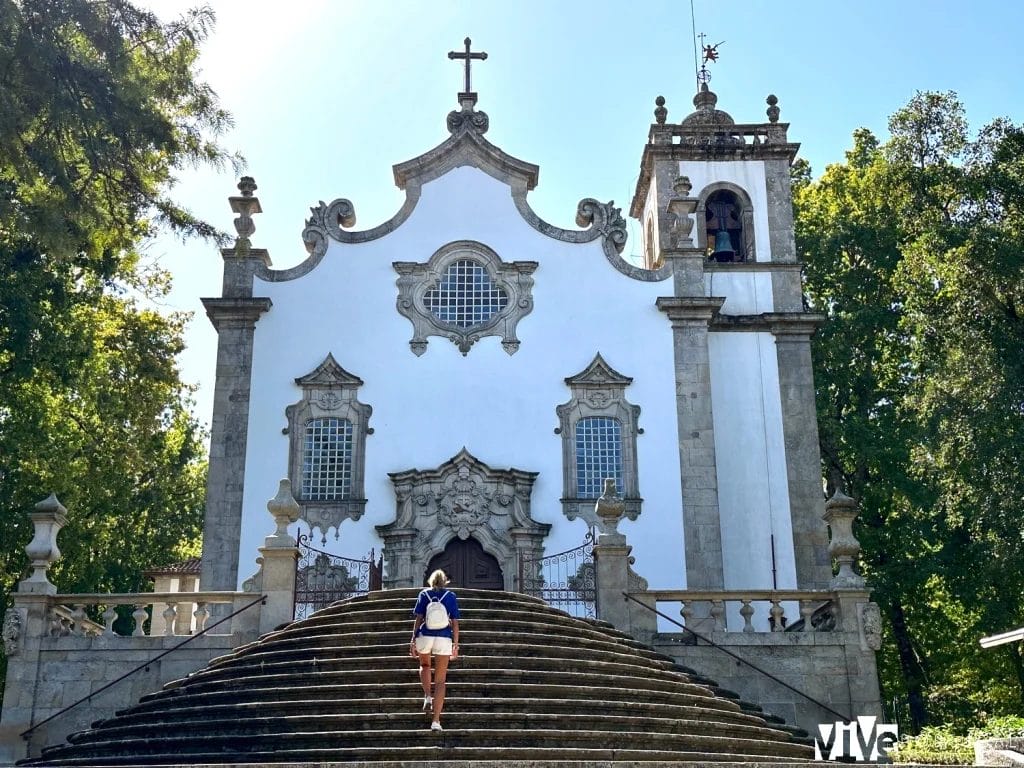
(101, 106)
(915, 250)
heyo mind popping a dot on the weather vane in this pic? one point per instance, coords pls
(709, 53)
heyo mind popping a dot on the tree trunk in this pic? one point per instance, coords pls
(913, 672)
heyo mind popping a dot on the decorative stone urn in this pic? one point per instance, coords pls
(48, 517)
(610, 508)
(286, 510)
(840, 512)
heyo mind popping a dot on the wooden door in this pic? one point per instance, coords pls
(467, 565)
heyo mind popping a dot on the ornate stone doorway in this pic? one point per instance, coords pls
(462, 500)
(467, 565)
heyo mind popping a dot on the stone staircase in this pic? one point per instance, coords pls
(533, 684)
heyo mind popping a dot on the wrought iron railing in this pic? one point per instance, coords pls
(322, 578)
(566, 580)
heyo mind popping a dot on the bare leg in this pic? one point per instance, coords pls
(425, 673)
(439, 686)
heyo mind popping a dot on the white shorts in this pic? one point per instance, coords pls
(438, 646)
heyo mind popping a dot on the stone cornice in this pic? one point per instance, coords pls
(235, 313)
(786, 326)
(259, 255)
(690, 310)
(466, 148)
(753, 266)
(794, 324)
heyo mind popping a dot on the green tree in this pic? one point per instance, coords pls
(101, 107)
(913, 250)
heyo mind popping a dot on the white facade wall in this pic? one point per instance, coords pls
(499, 407)
(753, 491)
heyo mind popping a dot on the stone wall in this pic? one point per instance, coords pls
(67, 669)
(822, 665)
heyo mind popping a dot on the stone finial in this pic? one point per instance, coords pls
(840, 512)
(610, 508)
(285, 510)
(48, 517)
(660, 110)
(773, 108)
(245, 205)
(247, 185)
(680, 208)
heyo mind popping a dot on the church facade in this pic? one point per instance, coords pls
(455, 384)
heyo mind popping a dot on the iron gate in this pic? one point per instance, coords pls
(322, 578)
(566, 580)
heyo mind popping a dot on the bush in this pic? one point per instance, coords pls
(936, 745)
(998, 728)
(942, 745)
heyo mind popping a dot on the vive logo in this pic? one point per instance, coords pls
(862, 740)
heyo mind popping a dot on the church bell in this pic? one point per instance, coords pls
(723, 247)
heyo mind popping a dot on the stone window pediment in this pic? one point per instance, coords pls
(465, 292)
(327, 431)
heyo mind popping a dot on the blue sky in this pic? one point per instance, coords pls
(328, 95)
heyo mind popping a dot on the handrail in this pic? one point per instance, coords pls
(262, 599)
(739, 658)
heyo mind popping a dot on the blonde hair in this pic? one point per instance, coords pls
(438, 579)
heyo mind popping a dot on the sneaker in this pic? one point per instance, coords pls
(436, 726)
(428, 703)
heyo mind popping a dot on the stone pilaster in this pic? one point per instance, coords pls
(793, 333)
(787, 291)
(235, 321)
(690, 317)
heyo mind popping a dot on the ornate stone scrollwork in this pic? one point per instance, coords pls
(467, 120)
(606, 219)
(462, 498)
(13, 624)
(327, 221)
(870, 623)
(425, 289)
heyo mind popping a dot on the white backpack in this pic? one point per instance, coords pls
(437, 614)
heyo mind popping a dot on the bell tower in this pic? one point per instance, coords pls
(714, 202)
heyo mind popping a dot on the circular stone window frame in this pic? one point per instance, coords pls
(415, 280)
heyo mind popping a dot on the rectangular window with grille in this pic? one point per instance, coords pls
(598, 455)
(327, 460)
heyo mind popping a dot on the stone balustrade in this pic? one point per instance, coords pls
(70, 614)
(758, 610)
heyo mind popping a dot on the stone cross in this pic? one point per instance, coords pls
(468, 57)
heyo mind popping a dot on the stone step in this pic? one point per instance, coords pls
(444, 756)
(314, 743)
(472, 645)
(387, 667)
(333, 695)
(412, 718)
(387, 678)
(455, 703)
